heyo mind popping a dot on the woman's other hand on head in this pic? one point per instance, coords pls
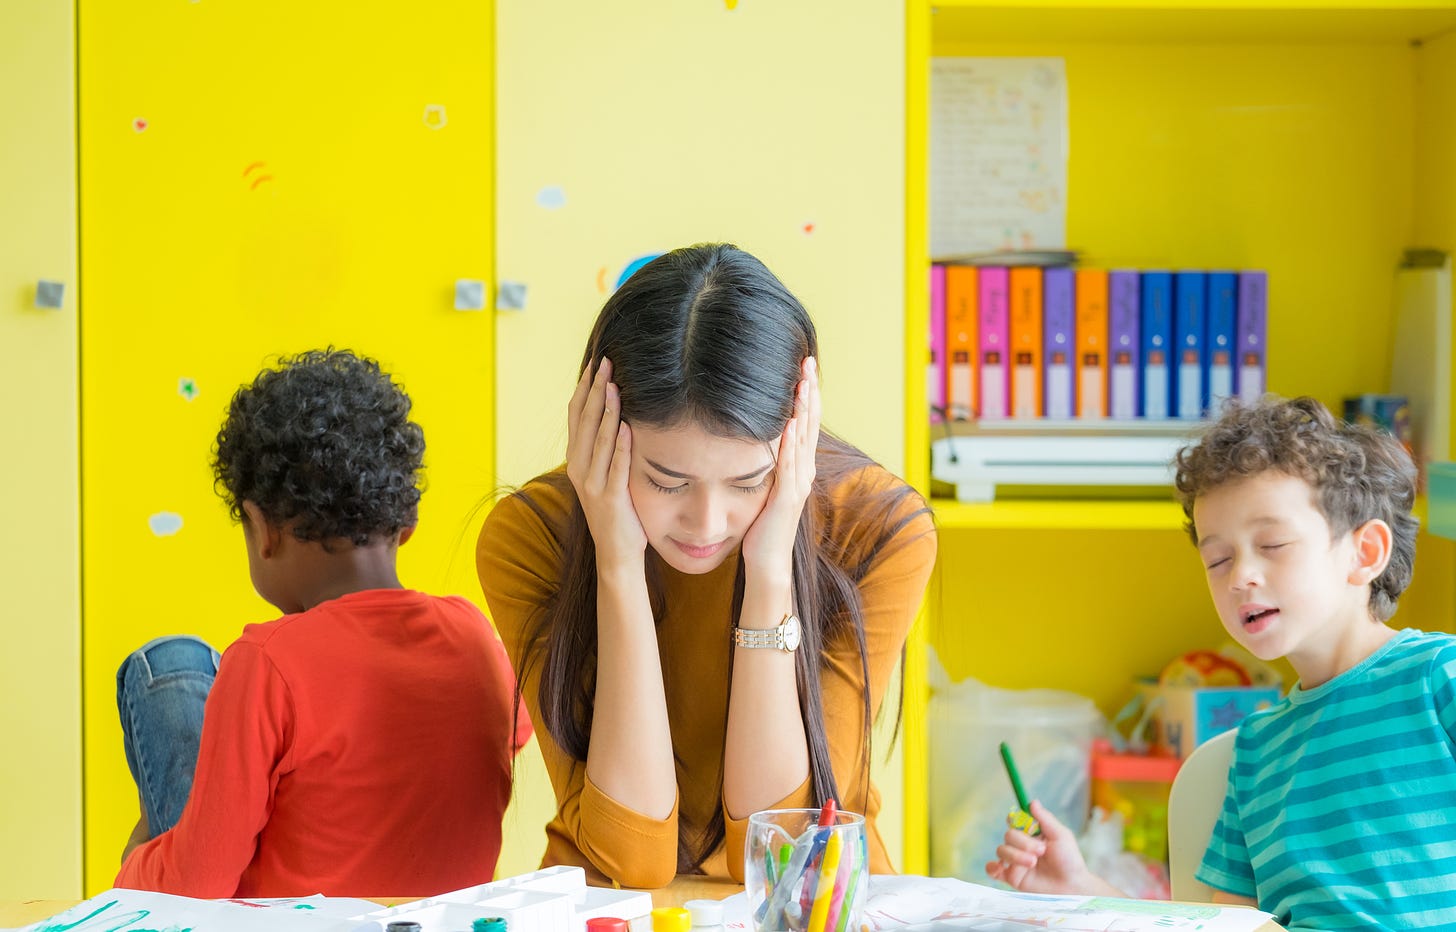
(598, 460)
(770, 541)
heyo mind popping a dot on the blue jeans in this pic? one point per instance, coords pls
(160, 692)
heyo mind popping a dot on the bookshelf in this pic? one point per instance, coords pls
(1291, 136)
(1058, 514)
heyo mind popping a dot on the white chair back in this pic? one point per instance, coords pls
(1194, 804)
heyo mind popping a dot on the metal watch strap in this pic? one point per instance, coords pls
(758, 637)
(785, 637)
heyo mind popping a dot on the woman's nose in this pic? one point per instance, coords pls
(705, 518)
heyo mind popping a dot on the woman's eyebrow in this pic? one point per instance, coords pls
(682, 475)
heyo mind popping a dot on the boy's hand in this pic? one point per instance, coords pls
(769, 542)
(1048, 863)
(598, 457)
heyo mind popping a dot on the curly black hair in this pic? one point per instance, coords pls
(323, 443)
(1357, 474)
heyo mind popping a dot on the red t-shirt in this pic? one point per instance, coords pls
(360, 748)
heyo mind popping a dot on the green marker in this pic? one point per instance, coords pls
(1006, 759)
(1030, 825)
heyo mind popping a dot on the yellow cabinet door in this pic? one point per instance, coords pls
(259, 179)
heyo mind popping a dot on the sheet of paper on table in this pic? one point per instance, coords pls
(939, 904)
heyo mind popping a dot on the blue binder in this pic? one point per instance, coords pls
(1223, 310)
(1190, 335)
(1157, 341)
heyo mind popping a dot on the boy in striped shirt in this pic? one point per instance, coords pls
(1341, 805)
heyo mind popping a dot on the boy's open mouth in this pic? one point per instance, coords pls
(1258, 615)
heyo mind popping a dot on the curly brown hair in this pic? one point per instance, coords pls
(1357, 474)
(324, 443)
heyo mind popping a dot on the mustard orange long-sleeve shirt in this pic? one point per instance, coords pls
(518, 557)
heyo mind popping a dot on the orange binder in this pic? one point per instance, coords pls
(1026, 344)
(1092, 343)
(960, 342)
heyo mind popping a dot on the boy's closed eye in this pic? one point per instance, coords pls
(1214, 553)
(1213, 560)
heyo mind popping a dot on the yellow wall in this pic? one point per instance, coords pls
(198, 268)
(40, 784)
(665, 124)
(1435, 183)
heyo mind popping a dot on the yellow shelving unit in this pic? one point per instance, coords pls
(1310, 139)
(1052, 515)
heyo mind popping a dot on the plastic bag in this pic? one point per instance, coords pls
(1101, 846)
(1050, 733)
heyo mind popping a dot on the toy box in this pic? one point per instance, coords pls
(1183, 717)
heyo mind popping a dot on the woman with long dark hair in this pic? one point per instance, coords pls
(705, 605)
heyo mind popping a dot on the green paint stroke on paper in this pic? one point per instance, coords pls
(122, 921)
(1172, 910)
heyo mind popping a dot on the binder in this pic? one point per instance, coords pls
(1252, 330)
(935, 368)
(1157, 337)
(1190, 330)
(1223, 307)
(1026, 337)
(1124, 325)
(995, 368)
(1091, 300)
(960, 341)
(1059, 394)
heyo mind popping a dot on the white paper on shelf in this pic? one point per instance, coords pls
(998, 154)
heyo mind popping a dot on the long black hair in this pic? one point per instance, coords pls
(707, 335)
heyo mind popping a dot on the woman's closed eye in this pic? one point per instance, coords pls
(755, 489)
(666, 489)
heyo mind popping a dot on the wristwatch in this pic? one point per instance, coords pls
(785, 637)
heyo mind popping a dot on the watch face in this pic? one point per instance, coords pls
(790, 629)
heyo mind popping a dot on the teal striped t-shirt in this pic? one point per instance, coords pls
(1341, 804)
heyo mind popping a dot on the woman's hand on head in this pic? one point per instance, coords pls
(598, 458)
(769, 543)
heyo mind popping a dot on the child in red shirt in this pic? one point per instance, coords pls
(359, 745)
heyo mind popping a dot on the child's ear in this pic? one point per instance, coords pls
(263, 536)
(405, 534)
(1373, 541)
